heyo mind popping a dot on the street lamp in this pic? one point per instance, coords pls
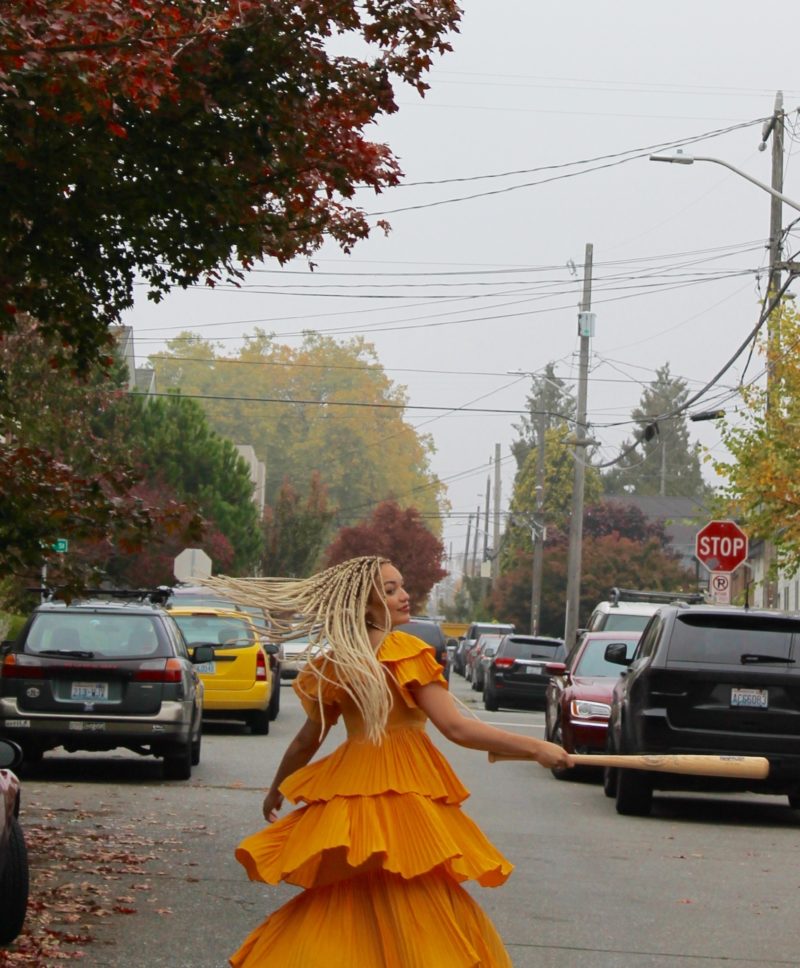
(679, 158)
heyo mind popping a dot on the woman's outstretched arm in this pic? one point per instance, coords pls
(445, 715)
(305, 744)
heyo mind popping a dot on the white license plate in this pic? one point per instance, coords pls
(90, 691)
(752, 698)
(533, 670)
(206, 668)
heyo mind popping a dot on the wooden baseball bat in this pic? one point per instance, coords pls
(739, 767)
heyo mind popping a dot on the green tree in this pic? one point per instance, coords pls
(295, 530)
(399, 535)
(324, 407)
(174, 442)
(665, 462)
(180, 142)
(550, 404)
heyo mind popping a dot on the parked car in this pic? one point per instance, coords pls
(471, 636)
(188, 596)
(101, 674)
(239, 682)
(578, 695)
(708, 679)
(629, 610)
(430, 631)
(516, 675)
(294, 654)
(485, 648)
(13, 853)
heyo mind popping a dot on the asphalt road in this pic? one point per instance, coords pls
(704, 882)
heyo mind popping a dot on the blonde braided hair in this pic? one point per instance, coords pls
(330, 607)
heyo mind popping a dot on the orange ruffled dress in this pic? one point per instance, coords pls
(380, 844)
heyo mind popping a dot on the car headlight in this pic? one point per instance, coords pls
(582, 709)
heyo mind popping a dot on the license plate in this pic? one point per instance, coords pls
(90, 691)
(751, 698)
(533, 670)
(206, 668)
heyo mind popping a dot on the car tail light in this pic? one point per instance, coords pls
(261, 667)
(503, 663)
(159, 670)
(16, 667)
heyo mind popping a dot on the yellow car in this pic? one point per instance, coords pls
(239, 683)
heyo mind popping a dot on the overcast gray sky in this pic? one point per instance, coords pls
(534, 88)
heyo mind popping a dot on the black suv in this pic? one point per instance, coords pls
(430, 632)
(517, 674)
(705, 679)
(100, 675)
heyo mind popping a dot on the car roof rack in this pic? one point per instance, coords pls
(662, 598)
(156, 596)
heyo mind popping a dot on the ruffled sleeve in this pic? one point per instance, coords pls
(411, 662)
(318, 691)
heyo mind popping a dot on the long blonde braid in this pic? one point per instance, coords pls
(329, 607)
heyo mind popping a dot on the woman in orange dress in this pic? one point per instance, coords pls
(380, 844)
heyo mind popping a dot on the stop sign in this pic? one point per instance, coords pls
(721, 545)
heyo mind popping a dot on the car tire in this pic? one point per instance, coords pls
(490, 702)
(634, 793)
(32, 755)
(610, 776)
(275, 702)
(197, 743)
(178, 766)
(258, 721)
(558, 739)
(14, 885)
(475, 686)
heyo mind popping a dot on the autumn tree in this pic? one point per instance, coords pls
(761, 478)
(176, 142)
(295, 530)
(665, 461)
(400, 535)
(325, 408)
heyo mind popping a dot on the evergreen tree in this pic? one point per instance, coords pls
(550, 402)
(665, 462)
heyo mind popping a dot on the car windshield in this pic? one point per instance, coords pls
(726, 638)
(520, 649)
(593, 662)
(94, 634)
(217, 630)
(625, 622)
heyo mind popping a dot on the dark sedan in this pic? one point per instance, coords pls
(578, 696)
(517, 675)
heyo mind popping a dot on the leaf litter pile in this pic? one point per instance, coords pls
(85, 869)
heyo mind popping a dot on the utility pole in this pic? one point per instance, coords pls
(586, 331)
(537, 531)
(466, 549)
(496, 523)
(475, 540)
(486, 519)
(774, 127)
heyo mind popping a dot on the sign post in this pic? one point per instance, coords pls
(721, 546)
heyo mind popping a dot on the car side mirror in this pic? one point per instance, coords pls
(617, 653)
(202, 653)
(271, 649)
(555, 668)
(6, 646)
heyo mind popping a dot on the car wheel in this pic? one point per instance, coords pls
(634, 793)
(468, 674)
(558, 739)
(476, 686)
(32, 755)
(196, 744)
(258, 721)
(610, 781)
(14, 885)
(178, 766)
(490, 702)
(275, 702)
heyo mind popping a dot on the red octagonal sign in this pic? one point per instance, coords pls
(721, 545)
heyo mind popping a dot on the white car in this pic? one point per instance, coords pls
(294, 654)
